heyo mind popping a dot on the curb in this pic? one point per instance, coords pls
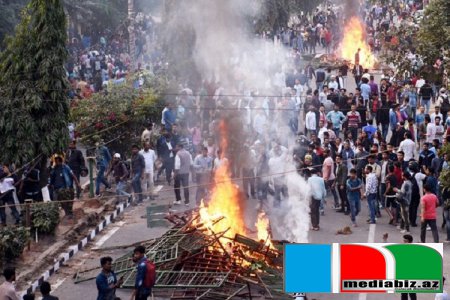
(72, 250)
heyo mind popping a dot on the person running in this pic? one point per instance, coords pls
(429, 203)
(120, 173)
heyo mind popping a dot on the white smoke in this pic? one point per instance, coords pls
(291, 221)
(226, 49)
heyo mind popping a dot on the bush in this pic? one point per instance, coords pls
(12, 242)
(45, 217)
(119, 115)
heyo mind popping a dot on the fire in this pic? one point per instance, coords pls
(225, 198)
(354, 39)
(263, 228)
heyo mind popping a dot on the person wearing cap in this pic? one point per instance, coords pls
(61, 182)
(333, 83)
(183, 164)
(120, 173)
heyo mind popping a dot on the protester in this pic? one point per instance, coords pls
(354, 185)
(150, 158)
(429, 203)
(183, 164)
(318, 193)
(120, 173)
(107, 281)
(137, 172)
(45, 289)
(7, 288)
(61, 182)
(141, 291)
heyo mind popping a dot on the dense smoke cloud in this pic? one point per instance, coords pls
(225, 49)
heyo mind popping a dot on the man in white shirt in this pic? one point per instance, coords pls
(310, 121)
(333, 83)
(408, 146)
(259, 122)
(437, 113)
(431, 130)
(182, 169)
(419, 83)
(318, 193)
(7, 289)
(150, 158)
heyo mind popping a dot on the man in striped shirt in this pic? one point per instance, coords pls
(354, 118)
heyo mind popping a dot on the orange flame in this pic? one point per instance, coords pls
(354, 39)
(225, 198)
(263, 227)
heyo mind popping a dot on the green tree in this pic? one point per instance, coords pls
(434, 33)
(9, 16)
(33, 85)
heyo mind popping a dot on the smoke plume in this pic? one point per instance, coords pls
(224, 49)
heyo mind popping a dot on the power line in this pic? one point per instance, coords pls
(208, 184)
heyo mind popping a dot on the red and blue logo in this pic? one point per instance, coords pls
(363, 268)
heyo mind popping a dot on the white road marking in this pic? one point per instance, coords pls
(107, 236)
(58, 283)
(371, 239)
(157, 189)
(372, 228)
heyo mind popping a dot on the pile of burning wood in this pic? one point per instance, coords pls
(194, 262)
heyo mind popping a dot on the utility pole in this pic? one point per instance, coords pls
(131, 34)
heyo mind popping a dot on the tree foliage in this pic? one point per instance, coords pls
(276, 13)
(96, 14)
(118, 116)
(434, 31)
(33, 85)
(10, 16)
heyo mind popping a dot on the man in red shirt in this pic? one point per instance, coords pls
(428, 215)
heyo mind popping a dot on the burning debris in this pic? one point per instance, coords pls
(207, 254)
(354, 39)
(195, 262)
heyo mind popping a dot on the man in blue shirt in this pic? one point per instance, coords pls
(354, 185)
(169, 117)
(106, 281)
(103, 157)
(365, 90)
(336, 117)
(140, 291)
